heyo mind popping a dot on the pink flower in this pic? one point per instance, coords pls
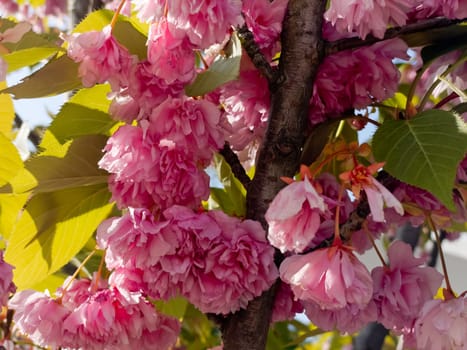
(56, 7)
(172, 59)
(113, 318)
(219, 264)
(360, 178)
(402, 288)
(149, 10)
(349, 319)
(135, 240)
(39, 316)
(149, 90)
(150, 172)
(330, 277)
(285, 307)
(294, 216)
(190, 124)
(6, 280)
(369, 16)
(423, 9)
(246, 102)
(353, 79)
(8, 7)
(101, 58)
(441, 325)
(204, 22)
(264, 19)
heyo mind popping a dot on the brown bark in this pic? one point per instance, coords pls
(302, 52)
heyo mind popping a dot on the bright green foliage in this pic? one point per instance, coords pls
(175, 307)
(54, 227)
(198, 333)
(7, 111)
(10, 207)
(78, 167)
(85, 114)
(423, 151)
(10, 162)
(59, 75)
(28, 57)
(220, 72)
(232, 197)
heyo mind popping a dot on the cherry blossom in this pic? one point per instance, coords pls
(150, 172)
(441, 325)
(190, 124)
(246, 103)
(294, 216)
(220, 262)
(402, 288)
(6, 280)
(114, 318)
(204, 22)
(172, 59)
(285, 306)
(348, 319)
(332, 278)
(39, 316)
(369, 16)
(353, 79)
(135, 240)
(101, 57)
(264, 19)
(360, 178)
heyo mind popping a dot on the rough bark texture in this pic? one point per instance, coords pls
(302, 52)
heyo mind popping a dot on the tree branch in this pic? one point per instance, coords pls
(432, 24)
(254, 52)
(302, 52)
(237, 168)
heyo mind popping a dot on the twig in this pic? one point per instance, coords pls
(237, 168)
(421, 26)
(254, 52)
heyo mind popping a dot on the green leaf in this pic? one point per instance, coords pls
(175, 307)
(52, 229)
(232, 197)
(28, 57)
(7, 111)
(220, 72)
(77, 167)
(10, 210)
(423, 151)
(59, 75)
(10, 161)
(50, 283)
(85, 114)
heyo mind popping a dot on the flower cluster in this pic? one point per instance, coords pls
(355, 79)
(91, 315)
(217, 262)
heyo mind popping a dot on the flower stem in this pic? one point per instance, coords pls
(373, 243)
(117, 12)
(95, 286)
(448, 70)
(441, 253)
(79, 269)
(337, 236)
